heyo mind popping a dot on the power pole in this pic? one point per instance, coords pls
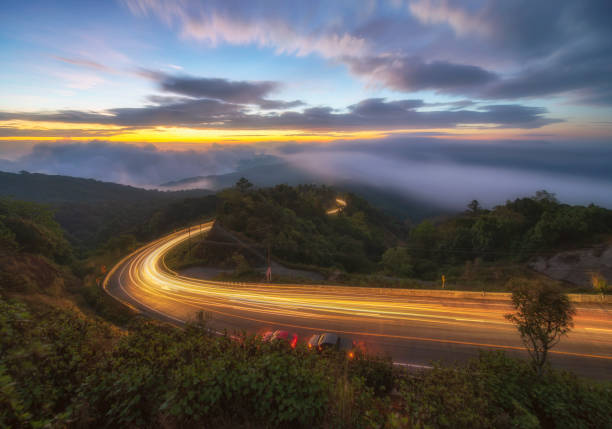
(269, 270)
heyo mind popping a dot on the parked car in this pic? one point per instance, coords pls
(330, 340)
(267, 336)
(313, 342)
(280, 335)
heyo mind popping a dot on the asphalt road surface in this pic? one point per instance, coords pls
(413, 330)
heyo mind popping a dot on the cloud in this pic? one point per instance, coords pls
(220, 89)
(369, 114)
(129, 164)
(177, 112)
(264, 24)
(231, 91)
(451, 174)
(413, 74)
(82, 62)
(485, 49)
(583, 67)
(441, 11)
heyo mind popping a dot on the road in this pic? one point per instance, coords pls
(413, 330)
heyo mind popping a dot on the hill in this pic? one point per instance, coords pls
(45, 188)
(276, 172)
(489, 246)
(92, 212)
(301, 227)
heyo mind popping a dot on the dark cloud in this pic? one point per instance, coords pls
(485, 49)
(242, 92)
(279, 104)
(219, 89)
(368, 114)
(536, 29)
(380, 114)
(585, 68)
(413, 74)
(493, 49)
(202, 112)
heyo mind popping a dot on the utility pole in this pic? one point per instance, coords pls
(269, 270)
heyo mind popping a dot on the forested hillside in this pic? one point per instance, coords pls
(33, 251)
(92, 212)
(294, 222)
(513, 232)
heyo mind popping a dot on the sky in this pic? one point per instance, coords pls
(510, 96)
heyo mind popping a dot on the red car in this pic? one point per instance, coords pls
(267, 336)
(291, 338)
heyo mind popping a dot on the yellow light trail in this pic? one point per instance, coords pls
(144, 280)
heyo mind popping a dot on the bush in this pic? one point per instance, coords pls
(497, 391)
(193, 379)
(58, 368)
(44, 359)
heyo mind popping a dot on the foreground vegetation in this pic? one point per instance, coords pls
(60, 368)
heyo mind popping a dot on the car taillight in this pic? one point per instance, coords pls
(351, 355)
(294, 341)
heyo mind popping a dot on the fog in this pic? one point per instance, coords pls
(449, 173)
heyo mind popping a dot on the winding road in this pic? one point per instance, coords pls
(411, 327)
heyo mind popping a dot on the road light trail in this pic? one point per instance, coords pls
(407, 327)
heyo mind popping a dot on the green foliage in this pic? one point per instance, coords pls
(191, 378)
(44, 359)
(599, 283)
(91, 211)
(397, 262)
(241, 265)
(33, 251)
(294, 222)
(497, 391)
(543, 315)
(60, 369)
(32, 228)
(375, 371)
(511, 232)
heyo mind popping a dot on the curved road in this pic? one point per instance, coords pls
(413, 330)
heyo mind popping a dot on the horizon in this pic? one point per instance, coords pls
(451, 101)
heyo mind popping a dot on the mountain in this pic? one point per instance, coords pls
(272, 174)
(44, 188)
(92, 212)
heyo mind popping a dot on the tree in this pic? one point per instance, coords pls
(474, 207)
(243, 185)
(397, 262)
(241, 265)
(600, 284)
(543, 315)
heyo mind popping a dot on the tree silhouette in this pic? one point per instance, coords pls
(543, 315)
(243, 184)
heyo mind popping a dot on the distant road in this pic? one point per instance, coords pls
(411, 329)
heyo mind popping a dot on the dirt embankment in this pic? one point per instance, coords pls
(577, 266)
